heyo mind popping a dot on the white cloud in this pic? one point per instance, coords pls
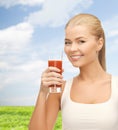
(55, 13)
(3, 65)
(15, 37)
(22, 73)
(13, 68)
(31, 66)
(11, 3)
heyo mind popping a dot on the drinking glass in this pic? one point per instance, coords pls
(55, 62)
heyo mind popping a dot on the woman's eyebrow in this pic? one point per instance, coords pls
(80, 38)
(67, 39)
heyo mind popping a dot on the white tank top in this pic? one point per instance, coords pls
(80, 116)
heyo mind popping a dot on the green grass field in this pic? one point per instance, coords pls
(17, 118)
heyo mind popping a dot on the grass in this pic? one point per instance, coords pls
(17, 118)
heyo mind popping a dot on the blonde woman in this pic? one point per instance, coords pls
(89, 101)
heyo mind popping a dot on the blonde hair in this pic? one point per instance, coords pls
(94, 23)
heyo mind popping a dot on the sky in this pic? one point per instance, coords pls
(32, 30)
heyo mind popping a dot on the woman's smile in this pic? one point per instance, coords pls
(75, 57)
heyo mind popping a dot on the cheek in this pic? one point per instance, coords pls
(90, 48)
(91, 53)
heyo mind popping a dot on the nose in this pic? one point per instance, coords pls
(74, 47)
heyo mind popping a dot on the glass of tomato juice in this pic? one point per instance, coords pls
(54, 88)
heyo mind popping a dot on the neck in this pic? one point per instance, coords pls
(92, 72)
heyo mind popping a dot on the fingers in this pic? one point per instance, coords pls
(53, 69)
(51, 76)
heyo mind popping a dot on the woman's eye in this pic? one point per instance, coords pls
(80, 42)
(67, 43)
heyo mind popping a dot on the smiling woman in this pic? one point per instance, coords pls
(88, 95)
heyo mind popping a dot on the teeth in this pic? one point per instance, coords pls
(75, 57)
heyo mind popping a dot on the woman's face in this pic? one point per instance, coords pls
(81, 46)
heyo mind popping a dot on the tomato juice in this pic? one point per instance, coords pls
(58, 64)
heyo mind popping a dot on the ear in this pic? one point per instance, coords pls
(100, 44)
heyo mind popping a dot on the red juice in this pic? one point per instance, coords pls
(58, 64)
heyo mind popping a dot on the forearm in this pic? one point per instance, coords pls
(46, 109)
(39, 120)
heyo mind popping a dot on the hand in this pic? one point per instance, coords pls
(49, 77)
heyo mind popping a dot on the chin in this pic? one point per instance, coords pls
(76, 65)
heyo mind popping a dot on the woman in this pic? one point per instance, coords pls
(89, 101)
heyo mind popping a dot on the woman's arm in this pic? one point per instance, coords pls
(47, 105)
(45, 112)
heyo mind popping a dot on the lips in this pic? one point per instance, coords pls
(75, 57)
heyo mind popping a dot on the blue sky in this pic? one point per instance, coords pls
(30, 30)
